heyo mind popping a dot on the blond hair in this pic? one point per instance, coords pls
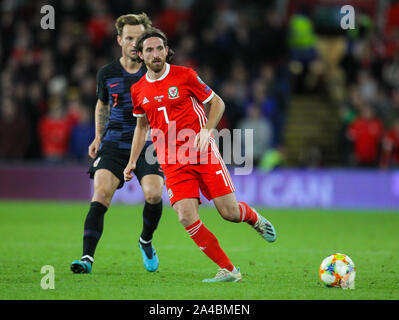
(133, 20)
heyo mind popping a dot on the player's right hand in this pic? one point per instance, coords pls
(127, 173)
(93, 148)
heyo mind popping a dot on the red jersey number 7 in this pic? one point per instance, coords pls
(115, 95)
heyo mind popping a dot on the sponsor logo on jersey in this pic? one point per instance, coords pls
(158, 98)
(145, 100)
(206, 89)
(173, 93)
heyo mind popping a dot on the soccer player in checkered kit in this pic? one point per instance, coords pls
(110, 149)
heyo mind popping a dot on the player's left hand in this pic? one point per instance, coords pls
(127, 173)
(202, 139)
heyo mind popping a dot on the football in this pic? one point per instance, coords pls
(338, 270)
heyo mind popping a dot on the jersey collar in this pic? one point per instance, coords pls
(162, 77)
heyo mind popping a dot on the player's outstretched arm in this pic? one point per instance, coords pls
(216, 109)
(101, 118)
(139, 138)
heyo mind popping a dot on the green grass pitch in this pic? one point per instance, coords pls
(34, 234)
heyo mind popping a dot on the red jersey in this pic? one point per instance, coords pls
(367, 136)
(173, 105)
(54, 134)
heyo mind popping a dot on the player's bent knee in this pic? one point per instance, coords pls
(105, 184)
(230, 213)
(153, 198)
(152, 191)
(187, 211)
(185, 220)
(152, 194)
(186, 216)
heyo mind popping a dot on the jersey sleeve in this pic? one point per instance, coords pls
(101, 91)
(199, 88)
(138, 111)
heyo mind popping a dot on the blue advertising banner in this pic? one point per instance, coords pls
(304, 189)
(352, 189)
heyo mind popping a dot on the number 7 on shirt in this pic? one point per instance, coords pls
(165, 113)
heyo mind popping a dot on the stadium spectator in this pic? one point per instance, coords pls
(348, 111)
(239, 76)
(265, 93)
(302, 37)
(383, 105)
(174, 18)
(367, 86)
(274, 33)
(234, 110)
(390, 72)
(366, 132)
(262, 133)
(81, 134)
(390, 147)
(392, 17)
(387, 107)
(100, 24)
(302, 46)
(35, 105)
(54, 131)
(14, 131)
(185, 55)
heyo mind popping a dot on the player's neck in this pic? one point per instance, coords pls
(129, 65)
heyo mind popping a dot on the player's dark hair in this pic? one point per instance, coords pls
(132, 20)
(150, 33)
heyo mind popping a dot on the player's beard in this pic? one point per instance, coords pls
(156, 67)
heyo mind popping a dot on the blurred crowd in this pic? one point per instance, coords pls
(245, 53)
(369, 108)
(358, 72)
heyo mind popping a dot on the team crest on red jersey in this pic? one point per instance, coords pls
(173, 93)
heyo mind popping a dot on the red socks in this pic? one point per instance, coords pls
(247, 214)
(209, 245)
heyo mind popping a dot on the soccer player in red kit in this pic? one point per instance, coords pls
(170, 100)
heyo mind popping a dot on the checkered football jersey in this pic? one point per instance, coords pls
(113, 88)
(172, 103)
